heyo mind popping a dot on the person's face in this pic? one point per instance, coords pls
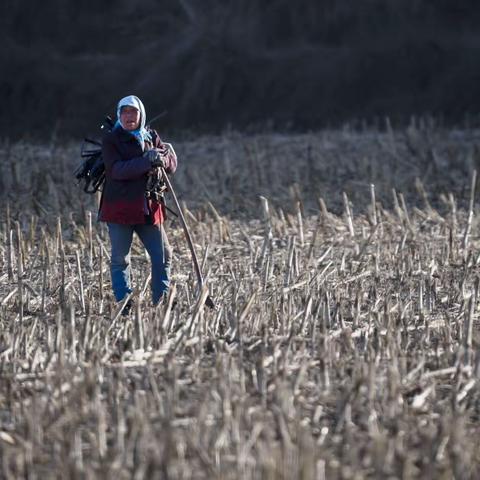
(129, 118)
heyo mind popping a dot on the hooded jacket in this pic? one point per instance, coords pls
(126, 173)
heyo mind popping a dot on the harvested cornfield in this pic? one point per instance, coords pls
(345, 270)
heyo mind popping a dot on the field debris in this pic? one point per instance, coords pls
(344, 345)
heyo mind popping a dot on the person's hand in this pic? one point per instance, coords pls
(164, 149)
(155, 157)
(167, 149)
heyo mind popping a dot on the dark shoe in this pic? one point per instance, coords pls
(164, 301)
(161, 301)
(126, 309)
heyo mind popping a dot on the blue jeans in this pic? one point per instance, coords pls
(155, 242)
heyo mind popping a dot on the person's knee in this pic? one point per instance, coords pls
(120, 261)
(161, 258)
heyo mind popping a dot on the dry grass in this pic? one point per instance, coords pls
(344, 345)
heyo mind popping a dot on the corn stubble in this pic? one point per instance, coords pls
(344, 344)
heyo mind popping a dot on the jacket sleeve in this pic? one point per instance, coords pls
(119, 169)
(171, 158)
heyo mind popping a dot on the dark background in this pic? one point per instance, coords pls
(236, 64)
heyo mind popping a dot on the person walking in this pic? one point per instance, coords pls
(132, 199)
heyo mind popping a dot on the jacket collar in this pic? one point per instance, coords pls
(124, 136)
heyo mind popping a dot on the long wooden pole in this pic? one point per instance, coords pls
(209, 302)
